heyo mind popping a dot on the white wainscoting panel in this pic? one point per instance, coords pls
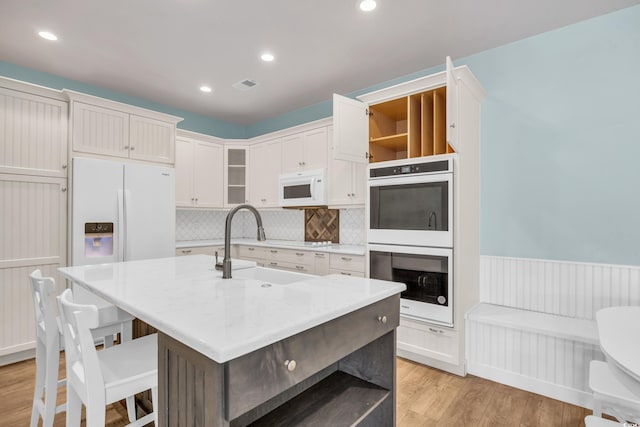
(533, 359)
(564, 288)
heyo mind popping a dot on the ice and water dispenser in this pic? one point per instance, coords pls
(98, 239)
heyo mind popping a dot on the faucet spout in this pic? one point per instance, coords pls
(225, 265)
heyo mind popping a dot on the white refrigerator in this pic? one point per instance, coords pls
(121, 211)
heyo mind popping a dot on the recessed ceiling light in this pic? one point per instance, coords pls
(267, 57)
(206, 89)
(367, 5)
(47, 35)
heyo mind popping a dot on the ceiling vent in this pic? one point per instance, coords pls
(245, 84)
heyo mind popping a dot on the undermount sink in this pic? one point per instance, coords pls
(270, 275)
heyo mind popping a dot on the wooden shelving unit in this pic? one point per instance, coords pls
(408, 127)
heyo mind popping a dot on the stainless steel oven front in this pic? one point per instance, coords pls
(411, 202)
(428, 274)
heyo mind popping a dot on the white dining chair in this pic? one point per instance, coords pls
(591, 421)
(48, 346)
(610, 395)
(98, 378)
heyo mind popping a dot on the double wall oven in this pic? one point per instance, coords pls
(410, 233)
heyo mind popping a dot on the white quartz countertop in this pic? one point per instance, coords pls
(284, 244)
(187, 299)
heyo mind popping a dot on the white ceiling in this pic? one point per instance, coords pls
(164, 50)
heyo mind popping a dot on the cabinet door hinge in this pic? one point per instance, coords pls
(366, 155)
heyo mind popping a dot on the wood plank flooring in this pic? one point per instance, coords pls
(426, 397)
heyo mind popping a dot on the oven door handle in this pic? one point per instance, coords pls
(414, 179)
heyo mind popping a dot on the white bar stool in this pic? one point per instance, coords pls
(610, 395)
(48, 340)
(98, 378)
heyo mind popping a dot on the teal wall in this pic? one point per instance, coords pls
(192, 121)
(560, 177)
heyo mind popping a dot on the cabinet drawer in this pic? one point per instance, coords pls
(205, 250)
(257, 377)
(290, 256)
(300, 268)
(347, 262)
(258, 252)
(346, 272)
(428, 340)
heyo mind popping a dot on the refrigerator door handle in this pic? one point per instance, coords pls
(127, 241)
(120, 219)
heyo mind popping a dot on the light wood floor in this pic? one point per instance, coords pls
(425, 397)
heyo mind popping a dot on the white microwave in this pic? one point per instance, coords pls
(306, 188)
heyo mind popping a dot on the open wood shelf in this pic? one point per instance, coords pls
(338, 400)
(409, 127)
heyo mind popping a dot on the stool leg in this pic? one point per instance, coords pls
(95, 409)
(597, 407)
(126, 335)
(74, 408)
(51, 382)
(38, 393)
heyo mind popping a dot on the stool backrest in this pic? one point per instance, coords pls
(80, 351)
(43, 290)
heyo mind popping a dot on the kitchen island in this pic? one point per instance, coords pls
(263, 348)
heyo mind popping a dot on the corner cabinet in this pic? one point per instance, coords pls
(199, 173)
(235, 178)
(107, 128)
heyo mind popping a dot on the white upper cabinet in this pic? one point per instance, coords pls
(151, 139)
(107, 128)
(305, 150)
(33, 134)
(199, 173)
(347, 181)
(350, 129)
(265, 164)
(100, 130)
(412, 119)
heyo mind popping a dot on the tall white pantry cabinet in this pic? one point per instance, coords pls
(435, 114)
(33, 194)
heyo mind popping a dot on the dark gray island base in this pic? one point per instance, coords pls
(340, 373)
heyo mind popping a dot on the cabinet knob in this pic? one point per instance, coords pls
(196, 200)
(64, 166)
(132, 148)
(126, 147)
(344, 273)
(344, 258)
(382, 319)
(188, 251)
(290, 364)
(299, 253)
(435, 331)
(251, 249)
(63, 189)
(304, 163)
(299, 267)
(273, 251)
(452, 125)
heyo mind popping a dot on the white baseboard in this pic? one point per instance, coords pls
(534, 385)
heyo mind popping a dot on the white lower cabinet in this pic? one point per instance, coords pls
(426, 341)
(303, 261)
(347, 265)
(321, 263)
(205, 250)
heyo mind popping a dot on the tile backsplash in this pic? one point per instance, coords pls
(285, 224)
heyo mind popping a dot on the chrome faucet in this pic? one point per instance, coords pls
(225, 265)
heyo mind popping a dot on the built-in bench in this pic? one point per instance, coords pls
(535, 326)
